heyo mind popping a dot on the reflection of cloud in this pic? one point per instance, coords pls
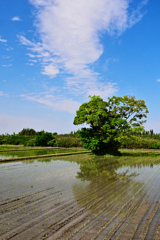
(16, 18)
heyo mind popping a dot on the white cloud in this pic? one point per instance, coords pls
(70, 33)
(33, 60)
(55, 103)
(8, 65)
(136, 14)
(50, 70)
(9, 49)
(25, 41)
(3, 94)
(30, 64)
(31, 55)
(5, 57)
(16, 18)
(2, 40)
(158, 80)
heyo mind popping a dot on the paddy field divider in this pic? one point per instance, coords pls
(41, 156)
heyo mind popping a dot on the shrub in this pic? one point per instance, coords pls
(68, 141)
(27, 132)
(137, 142)
(155, 145)
(52, 143)
(30, 143)
(44, 139)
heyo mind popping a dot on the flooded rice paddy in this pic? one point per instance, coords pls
(37, 152)
(81, 197)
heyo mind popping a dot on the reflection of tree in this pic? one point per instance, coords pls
(100, 168)
(103, 184)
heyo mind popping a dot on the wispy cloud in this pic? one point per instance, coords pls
(2, 40)
(16, 18)
(137, 14)
(158, 80)
(52, 101)
(8, 65)
(70, 39)
(50, 70)
(31, 55)
(3, 94)
(9, 49)
(30, 64)
(33, 60)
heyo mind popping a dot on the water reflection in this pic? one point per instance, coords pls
(103, 169)
(25, 153)
(4, 156)
(114, 182)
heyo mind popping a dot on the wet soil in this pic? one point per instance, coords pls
(62, 199)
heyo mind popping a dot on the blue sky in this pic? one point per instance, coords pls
(55, 53)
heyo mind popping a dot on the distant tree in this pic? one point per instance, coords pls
(109, 121)
(40, 132)
(27, 132)
(45, 139)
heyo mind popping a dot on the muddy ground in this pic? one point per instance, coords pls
(58, 200)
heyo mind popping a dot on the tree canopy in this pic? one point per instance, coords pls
(45, 139)
(108, 121)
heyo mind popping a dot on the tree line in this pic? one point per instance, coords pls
(112, 124)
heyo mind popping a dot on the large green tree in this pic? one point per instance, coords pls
(109, 121)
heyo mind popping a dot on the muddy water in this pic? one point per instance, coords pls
(82, 197)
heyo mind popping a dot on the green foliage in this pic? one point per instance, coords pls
(155, 145)
(108, 121)
(52, 143)
(68, 141)
(45, 139)
(98, 168)
(27, 132)
(30, 143)
(14, 139)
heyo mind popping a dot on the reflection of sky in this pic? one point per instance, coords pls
(22, 179)
(28, 177)
(14, 154)
(139, 171)
(3, 156)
